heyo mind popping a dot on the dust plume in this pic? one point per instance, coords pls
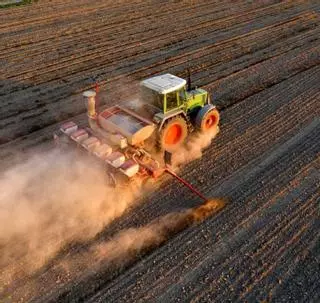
(130, 242)
(120, 251)
(49, 201)
(54, 199)
(194, 147)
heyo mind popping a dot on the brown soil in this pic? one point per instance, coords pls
(260, 61)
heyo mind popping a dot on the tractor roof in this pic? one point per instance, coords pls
(164, 84)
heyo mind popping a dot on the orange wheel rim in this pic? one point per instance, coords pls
(210, 121)
(173, 134)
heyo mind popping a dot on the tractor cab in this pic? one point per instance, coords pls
(168, 93)
(175, 109)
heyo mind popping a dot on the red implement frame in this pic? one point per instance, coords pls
(184, 182)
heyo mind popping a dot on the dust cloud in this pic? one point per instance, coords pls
(127, 243)
(55, 199)
(194, 147)
(49, 201)
(118, 252)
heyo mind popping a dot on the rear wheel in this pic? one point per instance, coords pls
(173, 134)
(207, 118)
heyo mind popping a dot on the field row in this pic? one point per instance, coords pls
(293, 58)
(120, 44)
(50, 84)
(92, 29)
(260, 61)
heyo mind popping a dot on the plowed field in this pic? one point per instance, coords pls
(260, 61)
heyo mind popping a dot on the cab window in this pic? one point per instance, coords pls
(172, 101)
(151, 97)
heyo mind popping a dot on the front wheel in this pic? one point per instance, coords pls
(207, 118)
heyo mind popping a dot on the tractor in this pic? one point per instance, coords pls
(176, 110)
(169, 110)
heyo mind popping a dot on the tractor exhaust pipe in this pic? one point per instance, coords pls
(189, 81)
(90, 101)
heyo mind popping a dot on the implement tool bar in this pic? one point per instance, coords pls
(184, 182)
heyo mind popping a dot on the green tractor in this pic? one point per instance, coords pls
(118, 135)
(176, 110)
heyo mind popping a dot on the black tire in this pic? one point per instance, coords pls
(173, 134)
